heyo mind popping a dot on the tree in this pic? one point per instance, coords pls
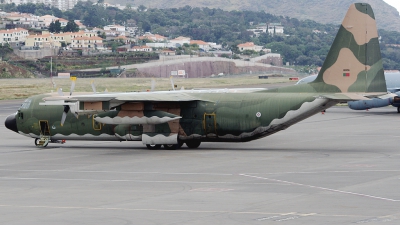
(5, 49)
(52, 28)
(142, 8)
(57, 26)
(95, 16)
(71, 27)
(27, 8)
(102, 35)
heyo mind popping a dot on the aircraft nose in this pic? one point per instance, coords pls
(11, 123)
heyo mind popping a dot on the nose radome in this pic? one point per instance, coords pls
(11, 123)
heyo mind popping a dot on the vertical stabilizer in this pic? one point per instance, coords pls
(354, 62)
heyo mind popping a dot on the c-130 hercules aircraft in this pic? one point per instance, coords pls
(352, 71)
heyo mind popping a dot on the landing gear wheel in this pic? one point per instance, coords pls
(398, 109)
(193, 144)
(38, 145)
(153, 147)
(180, 143)
(172, 147)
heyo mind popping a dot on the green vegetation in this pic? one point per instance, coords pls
(4, 51)
(303, 43)
(55, 27)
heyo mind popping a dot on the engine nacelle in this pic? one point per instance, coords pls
(369, 104)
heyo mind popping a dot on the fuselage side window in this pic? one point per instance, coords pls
(26, 104)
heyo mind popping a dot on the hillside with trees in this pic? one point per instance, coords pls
(304, 42)
(323, 11)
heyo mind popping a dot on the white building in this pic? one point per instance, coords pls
(249, 46)
(48, 19)
(13, 35)
(202, 45)
(115, 30)
(271, 28)
(60, 4)
(140, 49)
(179, 41)
(275, 28)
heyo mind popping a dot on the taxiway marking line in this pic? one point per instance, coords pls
(322, 188)
(121, 172)
(137, 181)
(277, 214)
(176, 210)
(155, 210)
(210, 174)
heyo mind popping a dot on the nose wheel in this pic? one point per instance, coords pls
(153, 147)
(42, 142)
(193, 143)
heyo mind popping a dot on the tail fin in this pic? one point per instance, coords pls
(354, 62)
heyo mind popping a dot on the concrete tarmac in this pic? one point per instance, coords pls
(341, 167)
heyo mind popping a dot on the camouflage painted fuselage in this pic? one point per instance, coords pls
(220, 117)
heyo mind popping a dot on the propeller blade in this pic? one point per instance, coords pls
(73, 79)
(60, 92)
(93, 86)
(72, 87)
(64, 115)
(153, 84)
(172, 83)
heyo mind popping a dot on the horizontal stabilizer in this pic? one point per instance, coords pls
(388, 95)
(350, 96)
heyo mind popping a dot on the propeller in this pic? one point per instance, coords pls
(172, 83)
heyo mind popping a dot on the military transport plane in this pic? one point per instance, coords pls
(352, 71)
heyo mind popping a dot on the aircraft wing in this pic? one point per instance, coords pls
(387, 95)
(131, 96)
(351, 96)
(173, 96)
(394, 90)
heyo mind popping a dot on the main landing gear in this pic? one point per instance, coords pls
(44, 141)
(189, 144)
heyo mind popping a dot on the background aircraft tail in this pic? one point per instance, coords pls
(354, 62)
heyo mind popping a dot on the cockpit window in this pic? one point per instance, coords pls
(26, 104)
